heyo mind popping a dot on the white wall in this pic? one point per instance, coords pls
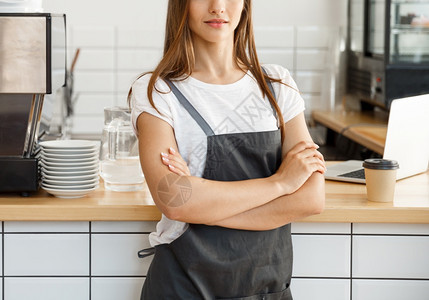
(120, 41)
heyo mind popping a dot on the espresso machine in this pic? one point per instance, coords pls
(32, 66)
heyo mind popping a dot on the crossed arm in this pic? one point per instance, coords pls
(295, 191)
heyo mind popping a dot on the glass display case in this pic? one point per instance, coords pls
(388, 43)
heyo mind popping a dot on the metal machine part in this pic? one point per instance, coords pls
(388, 45)
(32, 53)
(32, 65)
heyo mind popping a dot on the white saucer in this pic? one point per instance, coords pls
(70, 182)
(70, 144)
(70, 187)
(69, 194)
(70, 168)
(70, 156)
(63, 161)
(71, 178)
(66, 174)
(70, 151)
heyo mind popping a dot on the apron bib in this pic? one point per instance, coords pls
(212, 262)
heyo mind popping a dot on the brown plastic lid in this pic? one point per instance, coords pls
(380, 164)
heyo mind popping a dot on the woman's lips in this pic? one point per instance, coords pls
(216, 23)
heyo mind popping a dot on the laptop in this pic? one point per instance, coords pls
(407, 142)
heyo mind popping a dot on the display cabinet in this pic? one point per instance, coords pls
(388, 43)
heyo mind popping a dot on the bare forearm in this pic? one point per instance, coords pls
(196, 200)
(308, 200)
(192, 199)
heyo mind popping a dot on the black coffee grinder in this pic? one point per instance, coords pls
(32, 65)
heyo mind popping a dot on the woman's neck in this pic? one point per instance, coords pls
(215, 63)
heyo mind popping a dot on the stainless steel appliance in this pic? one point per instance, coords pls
(388, 45)
(32, 65)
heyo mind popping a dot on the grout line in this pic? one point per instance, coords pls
(295, 51)
(364, 234)
(75, 276)
(294, 277)
(321, 277)
(2, 259)
(67, 233)
(321, 233)
(361, 278)
(90, 259)
(116, 64)
(351, 261)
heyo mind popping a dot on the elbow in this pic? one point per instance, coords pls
(318, 205)
(316, 195)
(181, 214)
(315, 205)
(172, 213)
(171, 195)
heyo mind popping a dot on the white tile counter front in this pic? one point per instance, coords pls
(98, 260)
(73, 260)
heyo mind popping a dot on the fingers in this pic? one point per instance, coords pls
(171, 150)
(319, 166)
(301, 146)
(176, 171)
(175, 163)
(314, 164)
(308, 156)
(306, 153)
(306, 149)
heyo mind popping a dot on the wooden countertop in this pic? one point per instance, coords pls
(99, 205)
(345, 202)
(366, 128)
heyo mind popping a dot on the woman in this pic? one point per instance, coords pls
(227, 205)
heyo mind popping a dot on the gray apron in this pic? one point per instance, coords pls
(212, 262)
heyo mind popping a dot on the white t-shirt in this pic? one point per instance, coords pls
(230, 108)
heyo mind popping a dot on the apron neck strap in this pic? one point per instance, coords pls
(270, 86)
(191, 110)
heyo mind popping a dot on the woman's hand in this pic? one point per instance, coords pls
(298, 165)
(175, 163)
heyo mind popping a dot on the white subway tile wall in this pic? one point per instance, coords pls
(98, 260)
(46, 255)
(108, 65)
(391, 257)
(1, 261)
(388, 289)
(54, 288)
(116, 288)
(120, 250)
(331, 259)
(105, 226)
(411, 229)
(340, 228)
(45, 227)
(309, 289)
(73, 260)
(119, 43)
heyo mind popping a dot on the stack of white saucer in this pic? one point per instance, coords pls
(69, 167)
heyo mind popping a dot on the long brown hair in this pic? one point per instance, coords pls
(178, 60)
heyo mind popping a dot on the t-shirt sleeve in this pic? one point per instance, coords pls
(140, 102)
(288, 96)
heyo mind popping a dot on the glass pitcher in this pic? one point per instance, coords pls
(119, 153)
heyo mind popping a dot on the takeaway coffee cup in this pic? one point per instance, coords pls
(380, 176)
